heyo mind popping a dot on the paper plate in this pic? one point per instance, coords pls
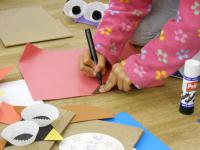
(42, 114)
(95, 11)
(21, 133)
(91, 141)
(75, 8)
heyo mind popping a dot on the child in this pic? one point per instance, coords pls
(162, 56)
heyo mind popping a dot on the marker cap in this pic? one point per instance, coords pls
(192, 68)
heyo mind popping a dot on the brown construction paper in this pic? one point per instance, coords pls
(29, 24)
(2, 143)
(60, 124)
(127, 135)
(88, 112)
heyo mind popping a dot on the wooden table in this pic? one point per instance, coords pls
(156, 108)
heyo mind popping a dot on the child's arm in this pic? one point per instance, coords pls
(161, 57)
(118, 24)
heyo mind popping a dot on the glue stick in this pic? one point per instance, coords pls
(189, 87)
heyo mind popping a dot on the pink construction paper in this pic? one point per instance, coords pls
(54, 74)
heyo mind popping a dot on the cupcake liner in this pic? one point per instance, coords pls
(42, 114)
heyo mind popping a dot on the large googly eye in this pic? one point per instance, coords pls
(42, 114)
(95, 11)
(21, 133)
(75, 8)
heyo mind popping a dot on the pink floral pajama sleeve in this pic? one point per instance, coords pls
(179, 40)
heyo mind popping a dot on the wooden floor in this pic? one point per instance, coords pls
(156, 109)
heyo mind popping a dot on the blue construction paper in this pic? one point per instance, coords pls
(148, 141)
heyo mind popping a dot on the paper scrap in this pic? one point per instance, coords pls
(42, 114)
(55, 74)
(88, 141)
(29, 24)
(8, 114)
(5, 71)
(16, 93)
(21, 133)
(88, 112)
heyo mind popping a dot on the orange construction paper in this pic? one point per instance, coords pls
(88, 112)
(5, 71)
(55, 74)
(8, 114)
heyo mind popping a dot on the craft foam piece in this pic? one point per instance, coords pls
(5, 71)
(21, 133)
(94, 141)
(29, 24)
(148, 141)
(127, 135)
(53, 136)
(16, 93)
(42, 114)
(8, 114)
(88, 112)
(60, 124)
(84, 21)
(54, 74)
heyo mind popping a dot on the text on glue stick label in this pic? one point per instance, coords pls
(189, 91)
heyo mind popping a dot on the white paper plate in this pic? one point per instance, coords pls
(90, 141)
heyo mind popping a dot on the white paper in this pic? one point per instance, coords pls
(90, 141)
(42, 114)
(21, 133)
(16, 93)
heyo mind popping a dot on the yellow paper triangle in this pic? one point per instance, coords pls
(53, 136)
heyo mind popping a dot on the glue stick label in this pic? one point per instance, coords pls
(189, 89)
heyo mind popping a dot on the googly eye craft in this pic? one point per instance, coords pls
(42, 114)
(21, 133)
(36, 126)
(87, 13)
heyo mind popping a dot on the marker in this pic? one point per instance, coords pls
(93, 53)
(189, 87)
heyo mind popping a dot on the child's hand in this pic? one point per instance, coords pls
(117, 77)
(88, 67)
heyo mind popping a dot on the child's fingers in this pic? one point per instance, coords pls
(101, 63)
(126, 85)
(86, 69)
(112, 81)
(120, 84)
(87, 59)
